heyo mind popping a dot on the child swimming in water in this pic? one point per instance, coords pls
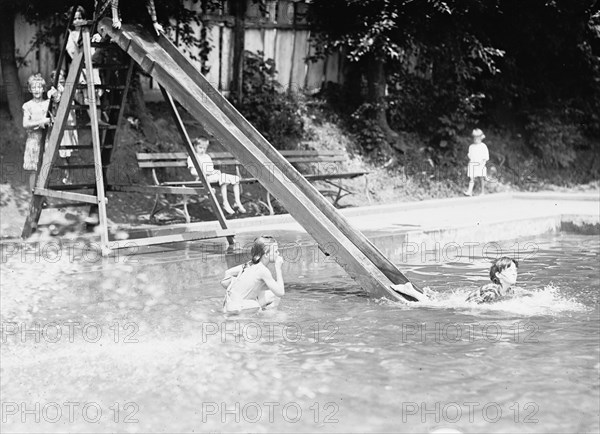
(503, 274)
(250, 286)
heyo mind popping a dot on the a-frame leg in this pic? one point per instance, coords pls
(188, 145)
(51, 151)
(100, 194)
(111, 137)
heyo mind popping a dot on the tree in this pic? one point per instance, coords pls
(380, 35)
(41, 10)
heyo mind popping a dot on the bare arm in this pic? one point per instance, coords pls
(230, 274)
(275, 285)
(29, 123)
(152, 11)
(116, 21)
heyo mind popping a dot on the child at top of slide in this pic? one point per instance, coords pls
(251, 286)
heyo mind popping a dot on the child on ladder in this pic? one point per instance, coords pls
(70, 138)
(214, 175)
(35, 121)
(74, 48)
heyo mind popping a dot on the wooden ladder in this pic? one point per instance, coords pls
(117, 79)
(104, 137)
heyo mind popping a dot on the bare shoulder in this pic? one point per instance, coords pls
(264, 272)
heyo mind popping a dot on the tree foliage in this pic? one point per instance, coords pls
(454, 63)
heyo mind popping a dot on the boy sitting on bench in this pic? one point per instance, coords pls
(214, 175)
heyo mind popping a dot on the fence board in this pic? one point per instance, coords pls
(298, 72)
(283, 59)
(213, 56)
(269, 38)
(254, 40)
(226, 58)
(274, 34)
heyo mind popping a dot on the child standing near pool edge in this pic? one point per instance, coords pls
(251, 286)
(478, 157)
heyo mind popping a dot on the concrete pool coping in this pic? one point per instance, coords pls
(437, 230)
(435, 215)
(518, 214)
(250, 224)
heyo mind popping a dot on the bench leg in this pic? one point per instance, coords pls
(185, 210)
(367, 192)
(338, 196)
(154, 208)
(271, 211)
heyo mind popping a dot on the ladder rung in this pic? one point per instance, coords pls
(74, 166)
(77, 197)
(111, 66)
(86, 147)
(68, 204)
(87, 127)
(71, 187)
(102, 86)
(100, 44)
(87, 106)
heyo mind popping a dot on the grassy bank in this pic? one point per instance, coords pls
(420, 173)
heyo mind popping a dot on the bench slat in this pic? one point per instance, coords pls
(151, 156)
(155, 164)
(156, 189)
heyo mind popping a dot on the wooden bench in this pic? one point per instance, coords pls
(325, 166)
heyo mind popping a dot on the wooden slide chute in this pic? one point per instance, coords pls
(159, 58)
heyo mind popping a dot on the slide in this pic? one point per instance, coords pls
(334, 234)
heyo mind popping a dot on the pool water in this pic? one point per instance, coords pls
(329, 359)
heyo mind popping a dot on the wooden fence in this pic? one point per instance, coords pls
(280, 32)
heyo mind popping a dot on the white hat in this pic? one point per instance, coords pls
(478, 133)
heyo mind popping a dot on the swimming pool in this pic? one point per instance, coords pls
(148, 358)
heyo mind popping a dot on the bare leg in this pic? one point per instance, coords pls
(482, 185)
(469, 191)
(226, 205)
(66, 179)
(236, 195)
(32, 181)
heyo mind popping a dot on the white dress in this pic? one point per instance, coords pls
(478, 156)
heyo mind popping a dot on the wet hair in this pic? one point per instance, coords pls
(260, 247)
(35, 78)
(499, 265)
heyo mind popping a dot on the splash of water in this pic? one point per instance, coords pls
(547, 301)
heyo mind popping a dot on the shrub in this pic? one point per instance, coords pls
(553, 138)
(272, 110)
